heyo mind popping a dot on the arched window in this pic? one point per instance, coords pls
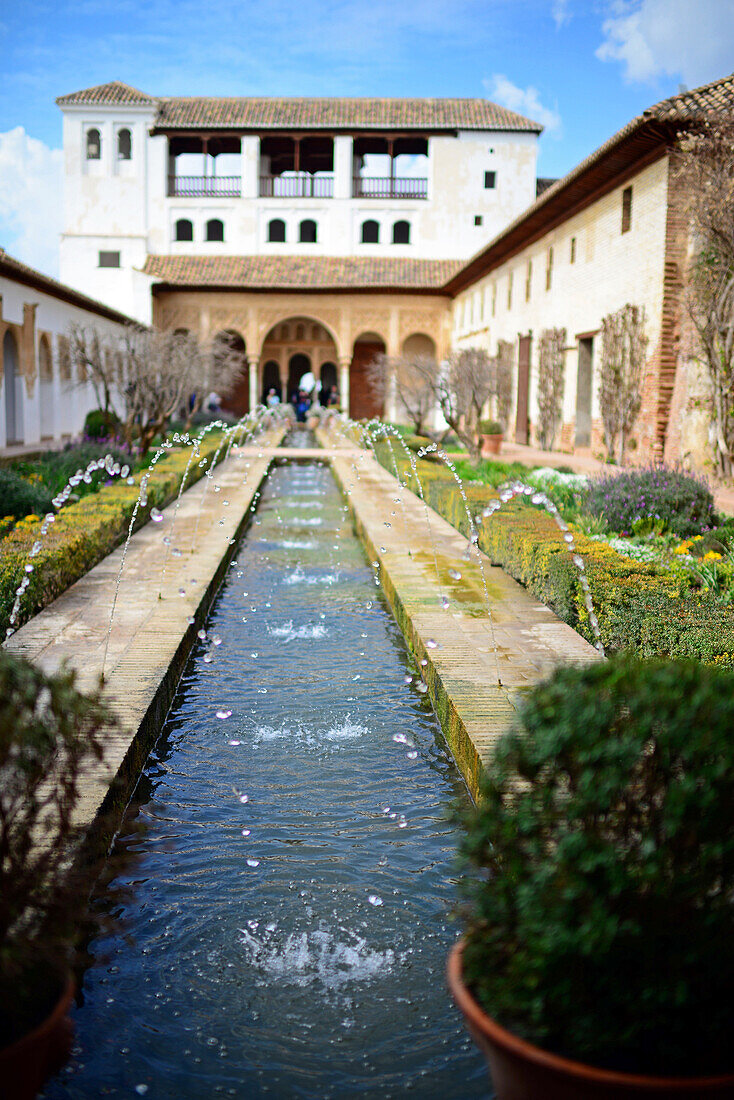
(94, 144)
(401, 233)
(215, 230)
(276, 230)
(370, 232)
(307, 232)
(184, 230)
(124, 145)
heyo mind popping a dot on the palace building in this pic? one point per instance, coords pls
(315, 233)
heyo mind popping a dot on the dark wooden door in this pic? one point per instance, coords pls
(238, 401)
(523, 390)
(363, 403)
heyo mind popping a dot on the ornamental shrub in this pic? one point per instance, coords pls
(600, 923)
(20, 496)
(101, 424)
(54, 468)
(682, 500)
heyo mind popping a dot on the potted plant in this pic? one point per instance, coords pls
(50, 735)
(598, 959)
(491, 434)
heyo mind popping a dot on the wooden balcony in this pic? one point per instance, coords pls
(389, 187)
(301, 185)
(204, 187)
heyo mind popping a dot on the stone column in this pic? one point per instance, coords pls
(343, 166)
(250, 166)
(344, 365)
(253, 362)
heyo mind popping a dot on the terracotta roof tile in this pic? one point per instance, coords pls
(301, 272)
(274, 113)
(716, 96)
(114, 92)
(17, 270)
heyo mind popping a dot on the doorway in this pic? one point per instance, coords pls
(584, 392)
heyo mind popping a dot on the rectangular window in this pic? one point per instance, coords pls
(549, 269)
(572, 257)
(109, 259)
(528, 280)
(626, 209)
(509, 291)
(490, 180)
(478, 219)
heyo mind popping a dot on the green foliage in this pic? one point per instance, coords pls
(101, 424)
(54, 468)
(641, 605)
(49, 735)
(600, 922)
(681, 500)
(85, 532)
(19, 496)
(490, 427)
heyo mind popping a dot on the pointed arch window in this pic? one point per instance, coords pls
(94, 144)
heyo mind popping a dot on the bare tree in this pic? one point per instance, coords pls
(414, 378)
(462, 389)
(153, 375)
(504, 373)
(551, 372)
(620, 375)
(705, 168)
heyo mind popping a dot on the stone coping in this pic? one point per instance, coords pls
(151, 636)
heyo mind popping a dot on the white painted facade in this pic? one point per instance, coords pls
(48, 400)
(609, 269)
(114, 205)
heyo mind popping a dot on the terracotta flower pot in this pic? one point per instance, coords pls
(26, 1064)
(520, 1071)
(491, 444)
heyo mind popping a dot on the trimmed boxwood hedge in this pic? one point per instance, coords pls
(640, 605)
(85, 532)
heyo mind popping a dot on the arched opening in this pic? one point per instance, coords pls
(276, 230)
(363, 402)
(370, 232)
(124, 145)
(298, 365)
(329, 382)
(229, 348)
(271, 381)
(419, 345)
(401, 233)
(13, 391)
(94, 144)
(184, 230)
(215, 229)
(307, 232)
(46, 390)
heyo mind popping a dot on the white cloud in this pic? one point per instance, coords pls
(526, 101)
(30, 199)
(560, 12)
(670, 37)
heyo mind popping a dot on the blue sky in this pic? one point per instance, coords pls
(582, 67)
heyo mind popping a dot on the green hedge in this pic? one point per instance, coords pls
(640, 606)
(85, 532)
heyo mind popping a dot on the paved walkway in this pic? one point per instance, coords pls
(151, 636)
(419, 568)
(586, 464)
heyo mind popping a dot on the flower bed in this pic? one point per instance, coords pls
(643, 606)
(86, 531)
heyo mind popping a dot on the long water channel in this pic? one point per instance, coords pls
(286, 909)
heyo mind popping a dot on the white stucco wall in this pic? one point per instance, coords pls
(611, 268)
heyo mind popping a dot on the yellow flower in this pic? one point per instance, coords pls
(711, 556)
(683, 548)
(696, 538)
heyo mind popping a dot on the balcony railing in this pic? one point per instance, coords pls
(371, 187)
(297, 186)
(197, 187)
